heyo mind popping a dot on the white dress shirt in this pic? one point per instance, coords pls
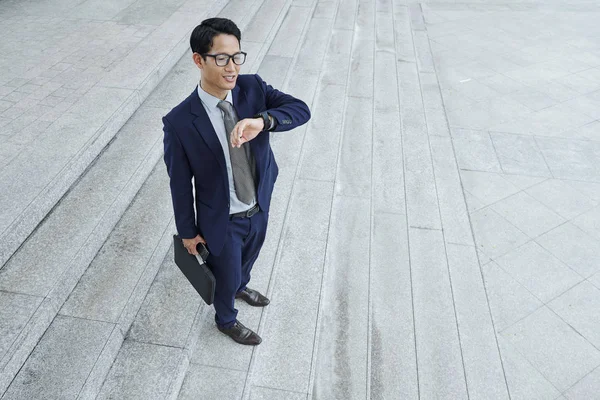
(215, 114)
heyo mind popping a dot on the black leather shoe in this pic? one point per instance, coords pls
(241, 334)
(252, 297)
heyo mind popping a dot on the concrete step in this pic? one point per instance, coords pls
(403, 311)
(55, 137)
(49, 264)
(89, 327)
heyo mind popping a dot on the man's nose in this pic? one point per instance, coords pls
(230, 65)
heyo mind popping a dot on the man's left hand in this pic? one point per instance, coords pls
(246, 130)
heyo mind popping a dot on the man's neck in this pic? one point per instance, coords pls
(219, 94)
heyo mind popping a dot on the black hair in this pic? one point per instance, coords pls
(201, 40)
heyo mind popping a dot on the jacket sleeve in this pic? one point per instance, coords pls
(288, 111)
(180, 174)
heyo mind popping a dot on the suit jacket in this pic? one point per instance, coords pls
(192, 150)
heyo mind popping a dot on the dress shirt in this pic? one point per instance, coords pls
(215, 114)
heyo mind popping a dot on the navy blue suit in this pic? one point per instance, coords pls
(192, 150)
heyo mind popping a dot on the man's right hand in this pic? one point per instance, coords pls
(190, 244)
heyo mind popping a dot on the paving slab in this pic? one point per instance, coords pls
(487, 187)
(509, 300)
(495, 236)
(323, 135)
(541, 273)
(61, 362)
(168, 311)
(439, 356)
(528, 214)
(342, 362)
(558, 196)
(524, 380)
(290, 33)
(576, 307)
(393, 353)
(387, 178)
(475, 150)
(17, 309)
(574, 247)
(587, 387)
(354, 166)
(481, 356)
(519, 155)
(453, 209)
(263, 393)
(141, 370)
(421, 194)
(204, 382)
(554, 348)
(283, 361)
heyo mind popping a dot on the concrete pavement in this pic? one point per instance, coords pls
(434, 229)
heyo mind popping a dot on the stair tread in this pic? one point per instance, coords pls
(36, 266)
(106, 286)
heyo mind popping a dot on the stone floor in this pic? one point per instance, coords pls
(434, 231)
(521, 90)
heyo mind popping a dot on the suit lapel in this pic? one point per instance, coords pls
(205, 128)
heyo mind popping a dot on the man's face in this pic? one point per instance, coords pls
(215, 79)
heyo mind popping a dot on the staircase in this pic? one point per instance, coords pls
(369, 261)
(93, 306)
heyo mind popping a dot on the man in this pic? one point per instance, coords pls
(219, 136)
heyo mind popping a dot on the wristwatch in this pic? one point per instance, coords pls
(266, 119)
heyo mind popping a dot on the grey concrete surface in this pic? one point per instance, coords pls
(204, 382)
(433, 232)
(59, 365)
(59, 114)
(106, 287)
(141, 371)
(169, 308)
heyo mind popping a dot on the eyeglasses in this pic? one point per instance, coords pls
(222, 59)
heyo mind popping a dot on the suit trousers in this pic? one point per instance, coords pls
(232, 267)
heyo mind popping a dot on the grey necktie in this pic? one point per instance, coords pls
(241, 158)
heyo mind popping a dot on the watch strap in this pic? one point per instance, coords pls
(266, 120)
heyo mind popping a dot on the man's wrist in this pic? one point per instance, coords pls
(268, 120)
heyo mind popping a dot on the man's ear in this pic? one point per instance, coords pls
(198, 60)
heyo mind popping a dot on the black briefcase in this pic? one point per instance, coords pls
(195, 269)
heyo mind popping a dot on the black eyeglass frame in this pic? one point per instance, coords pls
(229, 58)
